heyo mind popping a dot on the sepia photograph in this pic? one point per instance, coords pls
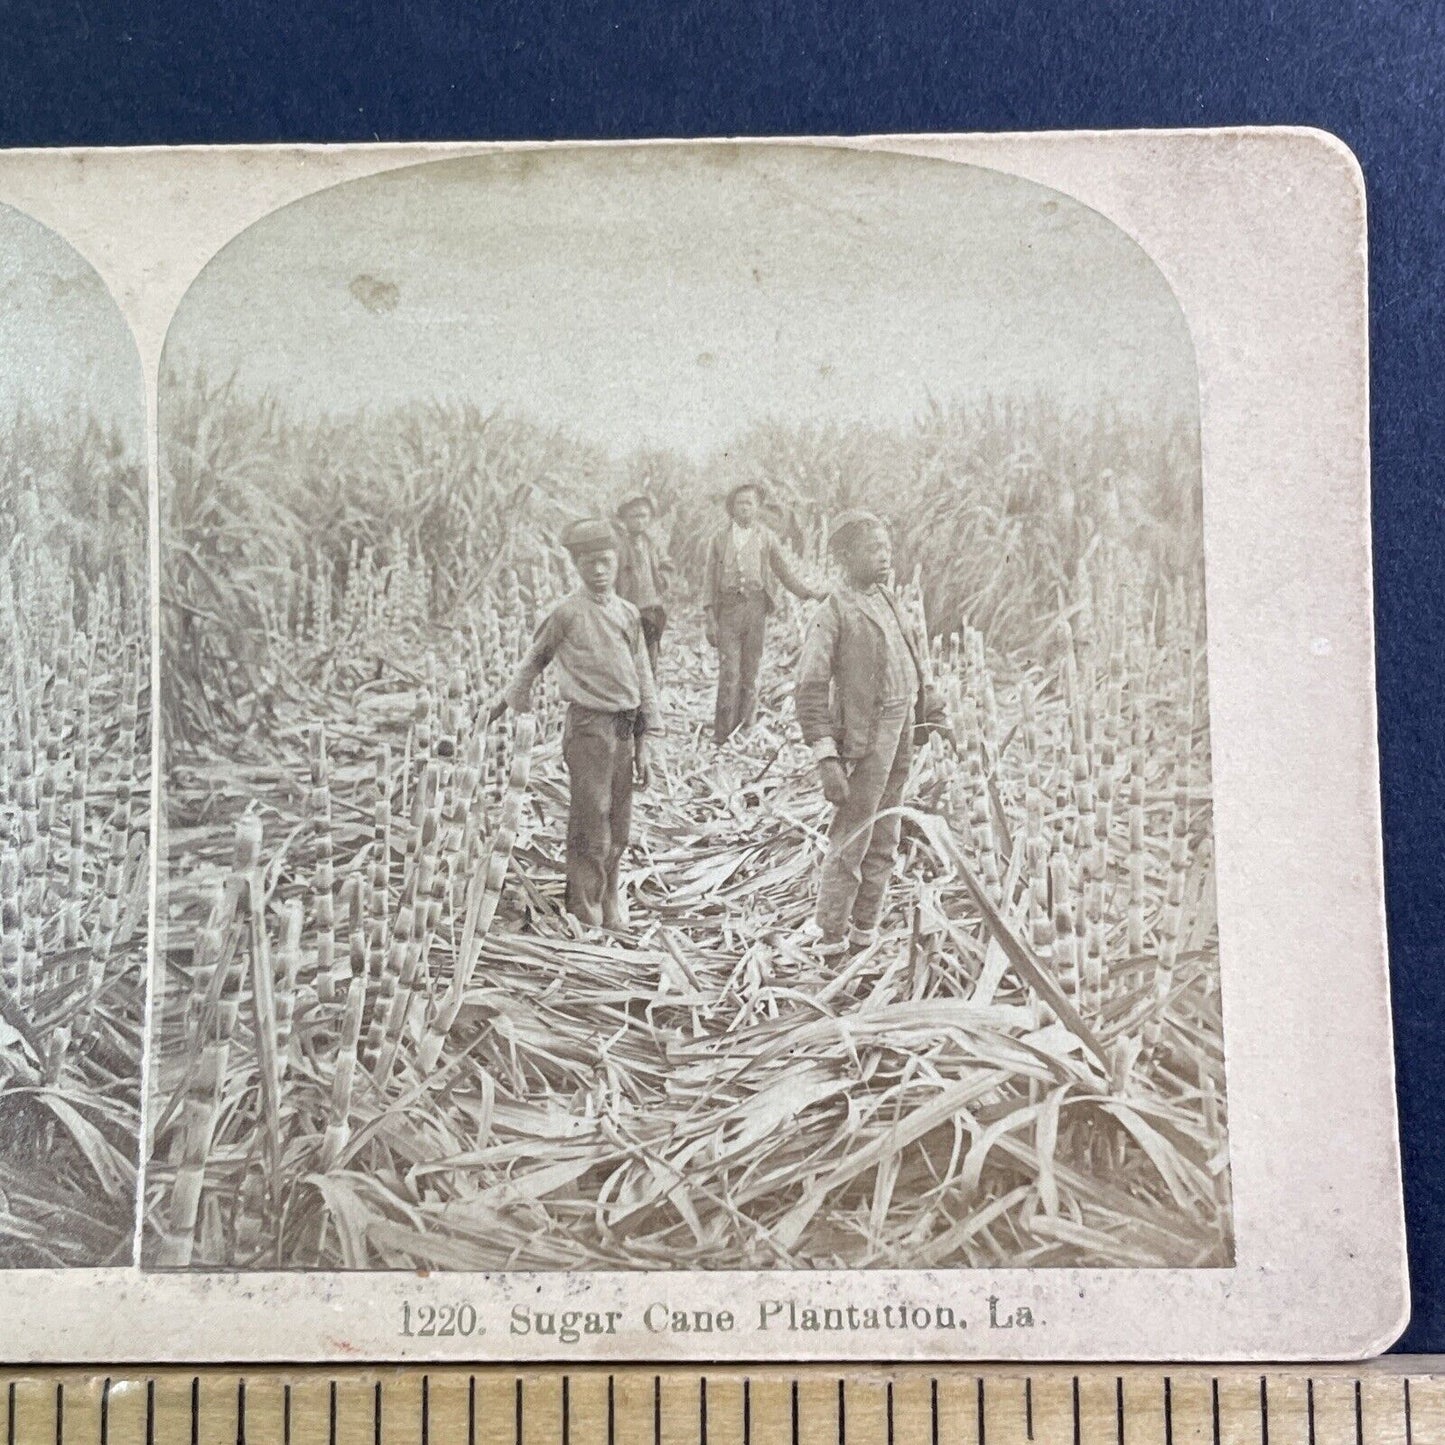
(685, 730)
(692, 749)
(74, 758)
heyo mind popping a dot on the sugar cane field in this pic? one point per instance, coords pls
(75, 842)
(379, 1041)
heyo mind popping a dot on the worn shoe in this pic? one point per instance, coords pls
(823, 945)
(615, 912)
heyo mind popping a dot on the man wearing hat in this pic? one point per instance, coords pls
(641, 572)
(594, 638)
(745, 564)
(862, 690)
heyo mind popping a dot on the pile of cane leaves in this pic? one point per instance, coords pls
(701, 1089)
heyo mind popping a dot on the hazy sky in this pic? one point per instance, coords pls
(63, 342)
(672, 296)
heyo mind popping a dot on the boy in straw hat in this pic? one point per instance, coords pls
(641, 571)
(594, 638)
(745, 564)
(862, 690)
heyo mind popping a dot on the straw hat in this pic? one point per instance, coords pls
(756, 488)
(637, 499)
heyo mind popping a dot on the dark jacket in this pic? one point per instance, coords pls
(838, 695)
(640, 569)
(777, 567)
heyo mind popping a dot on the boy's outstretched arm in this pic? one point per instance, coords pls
(518, 693)
(782, 563)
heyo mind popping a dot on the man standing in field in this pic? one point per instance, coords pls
(595, 638)
(862, 689)
(641, 572)
(745, 564)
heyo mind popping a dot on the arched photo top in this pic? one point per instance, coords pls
(639, 587)
(75, 738)
(67, 355)
(73, 489)
(668, 296)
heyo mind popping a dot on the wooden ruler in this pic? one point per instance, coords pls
(1387, 1402)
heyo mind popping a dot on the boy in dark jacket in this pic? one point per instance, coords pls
(595, 639)
(641, 571)
(862, 690)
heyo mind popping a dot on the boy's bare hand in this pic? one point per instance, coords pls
(835, 781)
(641, 763)
(709, 629)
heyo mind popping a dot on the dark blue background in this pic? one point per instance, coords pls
(79, 72)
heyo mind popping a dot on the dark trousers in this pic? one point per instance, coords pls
(741, 618)
(861, 845)
(654, 619)
(597, 747)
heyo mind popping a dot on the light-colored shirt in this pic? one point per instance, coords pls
(900, 672)
(745, 569)
(600, 656)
